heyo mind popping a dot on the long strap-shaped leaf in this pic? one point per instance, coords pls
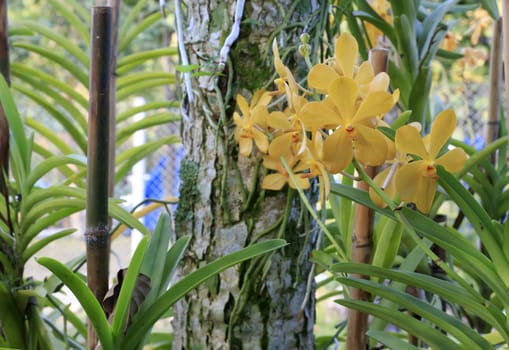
(428, 334)
(453, 326)
(452, 292)
(479, 219)
(142, 324)
(86, 298)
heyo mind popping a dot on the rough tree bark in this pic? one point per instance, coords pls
(257, 305)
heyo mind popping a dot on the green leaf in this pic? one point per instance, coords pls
(71, 176)
(20, 149)
(132, 16)
(358, 196)
(42, 130)
(142, 86)
(153, 105)
(387, 243)
(429, 335)
(44, 91)
(173, 257)
(46, 165)
(126, 292)
(142, 324)
(43, 242)
(127, 63)
(78, 7)
(28, 74)
(374, 18)
(148, 121)
(87, 300)
(80, 73)
(135, 78)
(451, 325)
(430, 24)
(126, 218)
(77, 134)
(418, 100)
(479, 220)
(401, 120)
(75, 21)
(153, 262)
(390, 341)
(127, 36)
(187, 68)
(62, 41)
(450, 291)
(126, 160)
(46, 222)
(450, 55)
(12, 319)
(407, 43)
(46, 207)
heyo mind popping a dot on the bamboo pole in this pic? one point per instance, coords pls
(115, 5)
(495, 76)
(97, 221)
(362, 237)
(505, 38)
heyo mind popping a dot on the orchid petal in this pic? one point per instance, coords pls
(442, 128)
(321, 76)
(303, 182)
(273, 182)
(390, 188)
(259, 115)
(261, 140)
(278, 64)
(243, 105)
(317, 115)
(278, 120)
(453, 160)
(238, 120)
(261, 98)
(365, 73)
(370, 147)
(374, 104)
(337, 151)
(413, 186)
(409, 141)
(379, 83)
(344, 93)
(281, 145)
(346, 51)
(245, 146)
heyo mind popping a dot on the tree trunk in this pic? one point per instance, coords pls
(267, 303)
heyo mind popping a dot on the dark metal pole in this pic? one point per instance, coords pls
(97, 226)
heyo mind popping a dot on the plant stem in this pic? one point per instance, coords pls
(494, 78)
(362, 244)
(97, 221)
(505, 36)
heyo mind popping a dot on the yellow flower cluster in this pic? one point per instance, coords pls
(318, 138)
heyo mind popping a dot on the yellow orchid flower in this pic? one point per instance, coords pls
(383, 8)
(416, 181)
(250, 126)
(354, 123)
(279, 179)
(344, 63)
(311, 158)
(386, 179)
(286, 83)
